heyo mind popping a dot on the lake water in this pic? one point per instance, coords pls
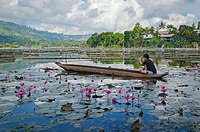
(58, 105)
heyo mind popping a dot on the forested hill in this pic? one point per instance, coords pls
(11, 33)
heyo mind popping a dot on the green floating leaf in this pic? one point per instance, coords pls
(162, 95)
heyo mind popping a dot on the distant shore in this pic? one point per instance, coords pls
(80, 49)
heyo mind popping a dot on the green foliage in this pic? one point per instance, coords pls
(14, 35)
(106, 39)
(7, 45)
(183, 37)
(11, 32)
(198, 26)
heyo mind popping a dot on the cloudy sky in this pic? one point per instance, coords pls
(89, 16)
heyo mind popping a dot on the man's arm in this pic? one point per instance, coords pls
(141, 61)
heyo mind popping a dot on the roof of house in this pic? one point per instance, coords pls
(166, 35)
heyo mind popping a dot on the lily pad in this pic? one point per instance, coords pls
(162, 95)
(67, 107)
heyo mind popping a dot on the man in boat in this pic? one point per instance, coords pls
(149, 67)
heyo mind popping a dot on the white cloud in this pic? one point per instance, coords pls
(178, 19)
(89, 16)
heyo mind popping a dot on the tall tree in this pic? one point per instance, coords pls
(138, 35)
(198, 26)
(162, 25)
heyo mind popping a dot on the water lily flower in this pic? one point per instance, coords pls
(108, 91)
(132, 97)
(21, 83)
(163, 87)
(127, 97)
(81, 90)
(114, 100)
(164, 90)
(95, 89)
(147, 81)
(119, 91)
(88, 96)
(89, 89)
(29, 88)
(127, 91)
(29, 74)
(34, 86)
(20, 93)
(45, 82)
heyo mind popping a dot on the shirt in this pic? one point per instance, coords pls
(150, 65)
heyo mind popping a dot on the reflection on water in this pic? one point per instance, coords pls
(182, 63)
(147, 109)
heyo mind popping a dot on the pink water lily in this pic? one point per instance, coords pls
(95, 89)
(108, 91)
(164, 90)
(127, 96)
(114, 100)
(81, 90)
(127, 91)
(88, 96)
(34, 86)
(132, 97)
(163, 87)
(88, 89)
(119, 91)
(21, 83)
(147, 81)
(30, 75)
(45, 82)
(29, 88)
(20, 93)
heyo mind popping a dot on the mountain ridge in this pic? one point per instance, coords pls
(11, 32)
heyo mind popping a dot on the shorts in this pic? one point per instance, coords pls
(150, 73)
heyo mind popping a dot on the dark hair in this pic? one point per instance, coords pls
(146, 56)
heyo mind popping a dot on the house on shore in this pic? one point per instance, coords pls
(198, 31)
(165, 35)
(147, 36)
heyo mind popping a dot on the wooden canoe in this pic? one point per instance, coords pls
(108, 71)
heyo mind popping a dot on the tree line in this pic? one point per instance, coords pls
(183, 36)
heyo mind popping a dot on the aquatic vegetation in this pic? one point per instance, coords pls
(20, 93)
(114, 100)
(79, 104)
